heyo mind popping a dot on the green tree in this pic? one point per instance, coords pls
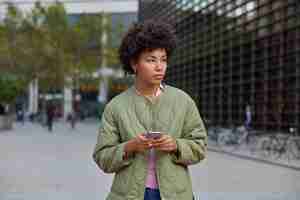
(44, 45)
(10, 87)
(10, 39)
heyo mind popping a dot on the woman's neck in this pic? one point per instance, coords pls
(146, 89)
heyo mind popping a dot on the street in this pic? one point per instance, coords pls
(36, 164)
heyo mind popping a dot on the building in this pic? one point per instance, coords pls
(122, 12)
(77, 6)
(235, 54)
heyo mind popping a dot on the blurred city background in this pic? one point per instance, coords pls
(238, 59)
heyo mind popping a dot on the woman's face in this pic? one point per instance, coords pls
(151, 66)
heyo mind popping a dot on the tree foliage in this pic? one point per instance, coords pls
(44, 44)
(10, 87)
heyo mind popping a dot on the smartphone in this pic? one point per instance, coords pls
(153, 134)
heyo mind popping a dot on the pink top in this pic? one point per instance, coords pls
(151, 180)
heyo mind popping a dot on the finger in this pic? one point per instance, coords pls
(170, 144)
(163, 143)
(155, 144)
(144, 147)
(149, 145)
(169, 147)
(162, 138)
(165, 149)
(161, 146)
(143, 138)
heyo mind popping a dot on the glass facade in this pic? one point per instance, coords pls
(234, 53)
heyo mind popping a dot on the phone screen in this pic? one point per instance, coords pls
(153, 134)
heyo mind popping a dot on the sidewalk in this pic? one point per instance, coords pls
(37, 164)
(244, 152)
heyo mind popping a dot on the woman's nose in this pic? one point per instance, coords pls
(160, 65)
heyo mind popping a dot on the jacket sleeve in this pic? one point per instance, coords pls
(108, 152)
(192, 146)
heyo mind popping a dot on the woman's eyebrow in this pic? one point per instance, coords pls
(151, 56)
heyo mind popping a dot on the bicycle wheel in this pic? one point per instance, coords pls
(294, 148)
(224, 142)
(222, 139)
(275, 148)
(266, 147)
(252, 144)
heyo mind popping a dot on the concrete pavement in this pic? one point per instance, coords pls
(36, 164)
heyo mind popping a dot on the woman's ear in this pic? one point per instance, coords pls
(133, 65)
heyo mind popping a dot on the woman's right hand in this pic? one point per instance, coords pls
(138, 144)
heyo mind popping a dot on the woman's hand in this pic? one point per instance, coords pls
(165, 143)
(138, 144)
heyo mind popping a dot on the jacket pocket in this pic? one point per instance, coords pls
(180, 177)
(175, 177)
(122, 181)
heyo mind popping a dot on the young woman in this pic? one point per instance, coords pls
(150, 166)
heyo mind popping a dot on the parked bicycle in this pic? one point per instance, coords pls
(281, 146)
(231, 139)
(268, 145)
(237, 137)
(213, 133)
(253, 139)
(294, 143)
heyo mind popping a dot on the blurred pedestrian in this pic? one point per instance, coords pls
(73, 119)
(21, 113)
(20, 116)
(2, 109)
(248, 117)
(150, 165)
(50, 116)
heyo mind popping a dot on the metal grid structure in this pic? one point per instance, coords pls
(233, 53)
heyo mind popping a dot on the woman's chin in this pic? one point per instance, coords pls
(156, 82)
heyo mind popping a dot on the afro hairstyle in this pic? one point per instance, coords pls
(147, 35)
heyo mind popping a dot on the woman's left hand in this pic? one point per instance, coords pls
(165, 143)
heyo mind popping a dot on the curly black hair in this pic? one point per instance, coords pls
(146, 35)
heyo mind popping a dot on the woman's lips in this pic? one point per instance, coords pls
(159, 76)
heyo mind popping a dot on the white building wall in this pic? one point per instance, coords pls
(68, 108)
(78, 6)
(33, 96)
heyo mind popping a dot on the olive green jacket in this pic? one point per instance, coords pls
(128, 115)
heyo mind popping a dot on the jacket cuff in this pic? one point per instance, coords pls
(179, 156)
(125, 156)
(125, 160)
